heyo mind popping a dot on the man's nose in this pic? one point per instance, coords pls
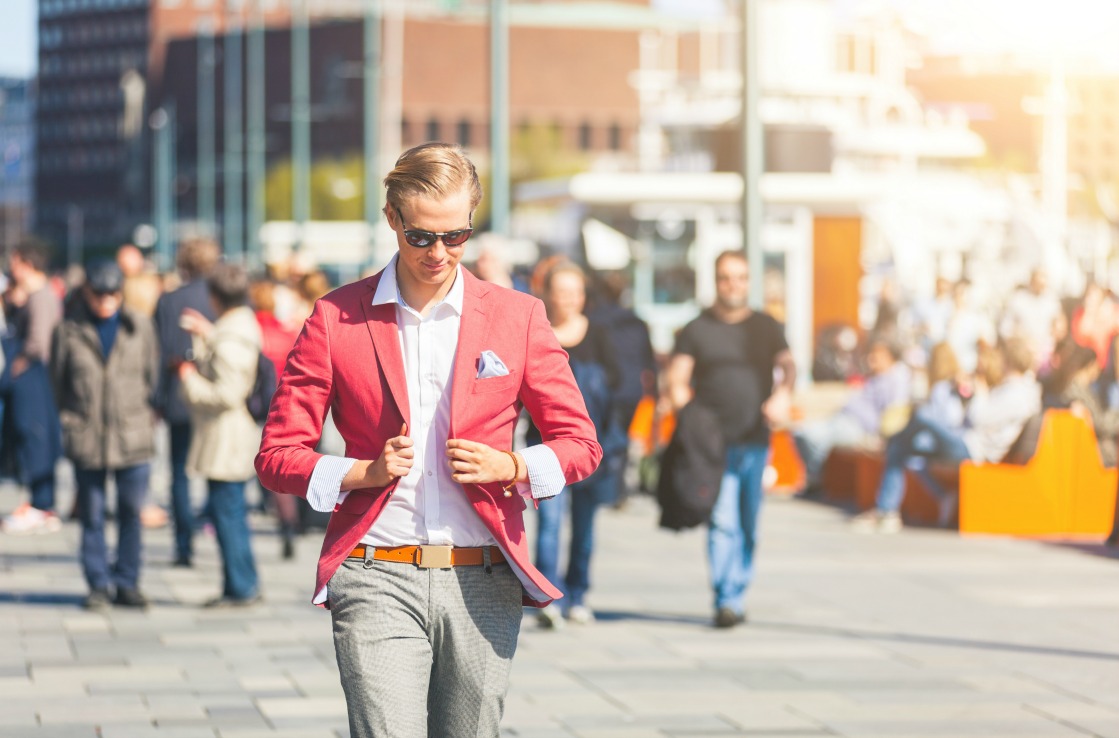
(438, 249)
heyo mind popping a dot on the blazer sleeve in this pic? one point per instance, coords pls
(554, 402)
(287, 456)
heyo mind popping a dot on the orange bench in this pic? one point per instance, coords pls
(1064, 490)
(851, 477)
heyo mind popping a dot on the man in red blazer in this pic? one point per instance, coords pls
(425, 565)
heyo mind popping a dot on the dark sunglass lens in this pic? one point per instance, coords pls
(456, 238)
(420, 239)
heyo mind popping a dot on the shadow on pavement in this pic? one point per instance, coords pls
(1092, 549)
(929, 640)
(608, 616)
(43, 598)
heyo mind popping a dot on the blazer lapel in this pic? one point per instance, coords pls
(472, 333)
(381, 320)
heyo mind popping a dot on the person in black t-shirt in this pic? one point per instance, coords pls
(726, 360)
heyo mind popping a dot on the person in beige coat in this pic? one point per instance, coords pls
(215, 385)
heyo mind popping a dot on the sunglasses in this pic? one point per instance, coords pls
(425, 239)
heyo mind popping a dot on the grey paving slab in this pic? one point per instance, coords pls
(924, 634)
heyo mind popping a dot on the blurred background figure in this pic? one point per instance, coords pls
(1095, 322)
(968, 328)
(31, 434)
(1005, 398)
(196, 259)
(1034, 314)
(860, 421)
(142, 284)
(595, 366)
(216, 382)
(931, 316)
(950, 388)
(277, 340)
(492, 265)
(637, 374)
(104, 370)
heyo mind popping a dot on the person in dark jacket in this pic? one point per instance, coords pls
(196, 260)
(637, 375)
(594, 364)
(103, 367)
(32, 443)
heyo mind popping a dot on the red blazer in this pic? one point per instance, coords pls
(347, 359)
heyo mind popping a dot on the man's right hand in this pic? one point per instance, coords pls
(395, 461)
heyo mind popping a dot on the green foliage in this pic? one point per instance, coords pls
(336, 190)
(539, 152)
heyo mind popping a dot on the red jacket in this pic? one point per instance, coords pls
(347, 359)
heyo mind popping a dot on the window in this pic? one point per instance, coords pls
(585, 142)
(464, 132)
(433, 129)
(615, 137)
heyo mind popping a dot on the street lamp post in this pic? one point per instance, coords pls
(163, 124)
(499, 117)
(233, 154)
(256, 148)
(300, 116)
(753, 150)
(206, 135)
(371, 118)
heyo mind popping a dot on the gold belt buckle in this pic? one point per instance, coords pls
(435, 557)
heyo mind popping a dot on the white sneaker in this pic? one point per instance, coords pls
(26, 520)
(889, 523)
(866, 522)
(550, 618)
(580, 615)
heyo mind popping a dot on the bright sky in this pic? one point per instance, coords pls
(18, 38)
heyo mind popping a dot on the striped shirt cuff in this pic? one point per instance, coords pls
(326, 482)
(545, 476)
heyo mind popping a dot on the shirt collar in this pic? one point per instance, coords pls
(388, 289)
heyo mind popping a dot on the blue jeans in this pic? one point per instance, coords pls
(734, 524)
(227, 506)
(42, 492)
(921, 437)
(132, 490)
(180, 490)
(585, 496)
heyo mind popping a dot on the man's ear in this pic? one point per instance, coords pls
(390, 216)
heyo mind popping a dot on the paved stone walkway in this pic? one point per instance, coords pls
(921, 634)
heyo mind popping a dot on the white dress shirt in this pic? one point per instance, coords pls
(428, 506)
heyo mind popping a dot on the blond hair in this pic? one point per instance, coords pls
(434, 170)
(943, 363)
(197, 257)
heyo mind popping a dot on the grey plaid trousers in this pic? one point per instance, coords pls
(424, 652)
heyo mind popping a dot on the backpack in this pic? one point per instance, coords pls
(691, 469)
(264, 386)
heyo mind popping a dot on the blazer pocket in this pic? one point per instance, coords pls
(495, 384)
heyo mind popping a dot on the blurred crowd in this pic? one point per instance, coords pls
(944, 379)
(119, 370)
(109, 365)
(116, 365)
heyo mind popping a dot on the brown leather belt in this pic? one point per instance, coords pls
(433, 557)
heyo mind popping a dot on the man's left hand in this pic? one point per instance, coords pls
(476, 463)
(778, 408)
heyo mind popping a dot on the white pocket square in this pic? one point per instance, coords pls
(489, 365)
